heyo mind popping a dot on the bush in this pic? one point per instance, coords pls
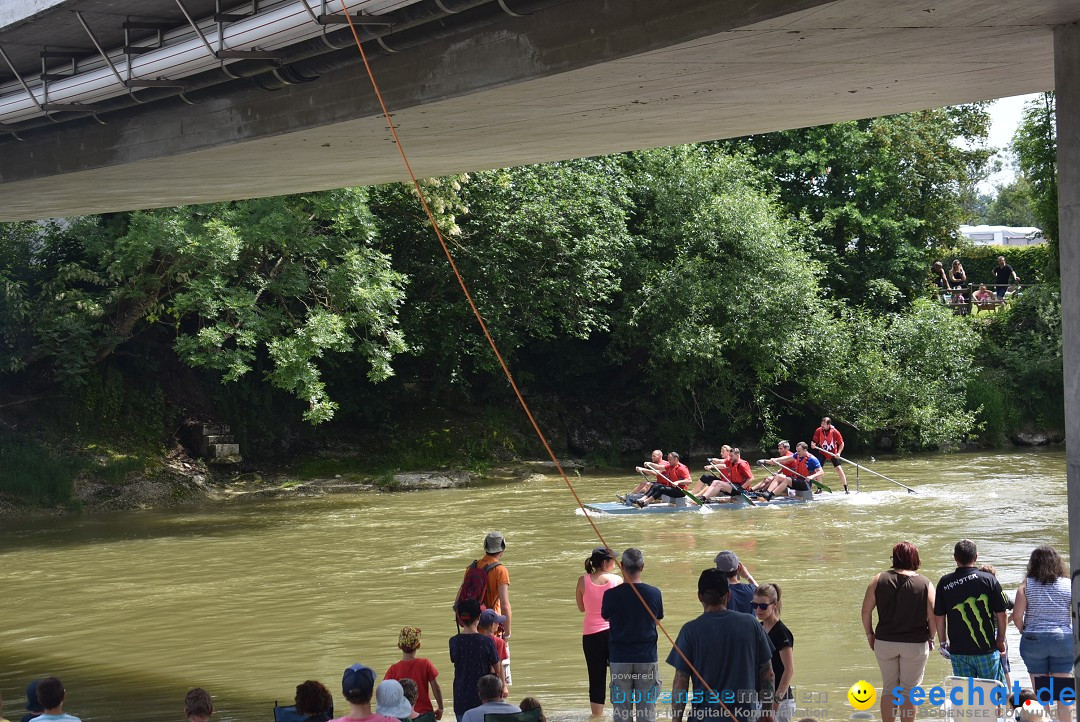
(33, 473)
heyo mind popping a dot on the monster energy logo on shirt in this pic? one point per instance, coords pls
(971, 611)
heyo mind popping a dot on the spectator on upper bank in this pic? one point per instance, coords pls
(198, 706)
(742, 594)
(957, 275)
(1003, 276)
(51, 694)
(939, 279)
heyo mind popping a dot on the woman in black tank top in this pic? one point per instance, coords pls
(904, 636)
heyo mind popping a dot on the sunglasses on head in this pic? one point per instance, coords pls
(760, 605)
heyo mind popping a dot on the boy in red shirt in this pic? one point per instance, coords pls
(419, 670)
(827, 439)
(490, 620)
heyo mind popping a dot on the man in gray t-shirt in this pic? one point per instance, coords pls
(730, 650)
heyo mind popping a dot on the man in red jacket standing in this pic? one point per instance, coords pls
(827, 439)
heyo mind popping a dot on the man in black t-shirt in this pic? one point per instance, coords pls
(970, 606)
(1004, 275)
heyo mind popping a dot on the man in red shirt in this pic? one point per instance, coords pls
(671, 483)
(827, 439)
(739, 473)
(656, 464)
(784, 450)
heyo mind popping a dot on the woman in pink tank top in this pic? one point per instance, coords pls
(594, 633)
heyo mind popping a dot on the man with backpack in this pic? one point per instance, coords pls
(487, 581)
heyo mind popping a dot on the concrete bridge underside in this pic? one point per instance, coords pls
(573, 79)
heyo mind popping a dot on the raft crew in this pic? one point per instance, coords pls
(783, 460)
(804, 469)
(655, 465)
(827, 440)
(717, 465)
(671, 483)
(738, 478)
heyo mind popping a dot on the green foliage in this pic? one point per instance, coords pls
(879, 196)
(293, 278)
(1035, 145)
(1013, 205)
(719, 289)
(901, 374)
(34, 472)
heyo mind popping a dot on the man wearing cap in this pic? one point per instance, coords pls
(497, 595)
(33, 704)
(358, 686)
(741, 594)
(490, 688)
(635, 673)
(731, 653)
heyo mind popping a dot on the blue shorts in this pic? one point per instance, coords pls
(1047, 652)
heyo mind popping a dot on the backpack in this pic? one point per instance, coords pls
(474, 585)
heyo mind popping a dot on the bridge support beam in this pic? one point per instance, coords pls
(1067, 84)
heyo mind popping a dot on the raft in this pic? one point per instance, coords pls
(736, 502)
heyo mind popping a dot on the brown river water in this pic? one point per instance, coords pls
(248, 599)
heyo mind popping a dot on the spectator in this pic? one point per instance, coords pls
(497, 594)
(490, 690)
(595, 632)
(314, 701)
(51, 694)
(33, 706)
(531, 703)
(969, 611)
(419, 670)
(989, 569)
(767, 608)
(412, 692)
(635, 680)
(390, 700)
(903, 638)
(958, 276)
(490, 620)
(357, 687)
(1041, 614)
(741, 594)
(940, 280)
(473, 655)
(728, 649)
(198, 706)
(983, 299)
(1003, 276)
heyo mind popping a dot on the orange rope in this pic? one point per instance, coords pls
(495, 348)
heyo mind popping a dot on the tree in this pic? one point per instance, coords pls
(288, 279)
(1013, 205)
(1035, 145)
(878, 197)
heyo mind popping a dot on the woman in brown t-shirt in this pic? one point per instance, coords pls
(903, 638)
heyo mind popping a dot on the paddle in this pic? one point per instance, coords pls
(667, 482)
(860, 466)
(765, 463)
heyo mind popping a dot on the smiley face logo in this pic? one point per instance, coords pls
(861, 695)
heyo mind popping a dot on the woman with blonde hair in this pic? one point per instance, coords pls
(766, 607)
